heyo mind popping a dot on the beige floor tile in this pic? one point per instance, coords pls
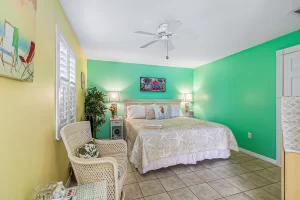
(207, 175)
(236, 169)
(129, 168)
(132, 191)
(223, 162)
(216, 163)
(264, 164)
(172, 183)
(210, 163)
(251, 165)
(256, 179)
(241, 183)
(238, 158)
(133, 168)
(190, 178)
(205, 192)
(196, 167)
(235, 152)
(260, 194)
(130, 178)
(240, 196)
(276, 170)
(223, 172)
(180, 169)
(223, 187)
(269, 175)
(162, 196)
(164, 172)
(274, 189)
(151, 187)
(144, 199)
(145, 177)
(182, 194)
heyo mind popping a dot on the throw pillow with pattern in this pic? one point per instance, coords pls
(88, 150)
(150, 114)
(162, 112)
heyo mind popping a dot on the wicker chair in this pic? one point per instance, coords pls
(111, 167)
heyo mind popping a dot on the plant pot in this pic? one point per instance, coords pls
(90, 119)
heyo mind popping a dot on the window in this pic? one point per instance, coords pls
(65, 83)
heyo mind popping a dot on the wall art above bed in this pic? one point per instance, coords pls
(151, 84)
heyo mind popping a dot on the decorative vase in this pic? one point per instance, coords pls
(113, 115)
(59, 192)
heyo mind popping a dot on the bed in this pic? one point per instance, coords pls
(182, 140)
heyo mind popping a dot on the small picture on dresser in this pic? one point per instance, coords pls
(151, 84)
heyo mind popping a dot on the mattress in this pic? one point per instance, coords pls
(181, 140)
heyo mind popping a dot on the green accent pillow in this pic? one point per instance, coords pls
(88, 150)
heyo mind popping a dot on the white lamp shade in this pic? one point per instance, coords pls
(113, 96)
(187, 97)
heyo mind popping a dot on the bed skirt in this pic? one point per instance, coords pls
(181, 159)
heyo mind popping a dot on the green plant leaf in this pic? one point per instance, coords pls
(95, 106)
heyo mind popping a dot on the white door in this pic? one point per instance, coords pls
(291, 75)
(288, 84)
(291, 85)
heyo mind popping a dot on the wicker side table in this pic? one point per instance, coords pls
(91, 191)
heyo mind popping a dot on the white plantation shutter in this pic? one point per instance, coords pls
(65, 83)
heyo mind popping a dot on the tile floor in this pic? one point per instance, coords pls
(241, 177)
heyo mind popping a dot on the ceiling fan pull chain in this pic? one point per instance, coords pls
(167, 57)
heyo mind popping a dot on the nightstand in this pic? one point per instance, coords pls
(116, 129)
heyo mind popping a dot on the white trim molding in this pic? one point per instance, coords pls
(256, 155)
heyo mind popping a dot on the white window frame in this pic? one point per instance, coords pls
(66, 82)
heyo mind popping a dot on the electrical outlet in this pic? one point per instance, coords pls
(249, 135)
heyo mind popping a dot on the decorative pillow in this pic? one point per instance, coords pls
(176, 111)
(150, 114)
(162, 112)
(136, 112)
(88, 150)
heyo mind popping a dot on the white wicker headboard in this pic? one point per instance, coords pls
(128, 102)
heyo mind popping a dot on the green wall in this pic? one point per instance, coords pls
(240, 92)
(125, 77)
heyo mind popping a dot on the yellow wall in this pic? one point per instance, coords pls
(29, 153)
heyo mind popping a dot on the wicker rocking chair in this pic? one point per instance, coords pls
(111, 167)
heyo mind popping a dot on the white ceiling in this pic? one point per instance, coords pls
(105, 28)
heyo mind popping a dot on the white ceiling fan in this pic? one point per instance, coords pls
(166, 33)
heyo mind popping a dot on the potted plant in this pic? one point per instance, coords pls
(95, 109)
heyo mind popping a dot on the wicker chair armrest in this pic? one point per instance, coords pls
(109, 147)
(96, 170)
(108, 164)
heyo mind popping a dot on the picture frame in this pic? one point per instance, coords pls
(152, 84)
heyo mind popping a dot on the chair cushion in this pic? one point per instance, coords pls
(88, 150)
(122, 163)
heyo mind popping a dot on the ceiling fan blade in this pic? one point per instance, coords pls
(144, 33)
(186, 35)
(148, 44)
(171, 46)
(173, 25)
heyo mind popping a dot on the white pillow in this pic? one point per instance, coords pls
(162, 112)
(150, 113)
(176, 111)
(136, 112)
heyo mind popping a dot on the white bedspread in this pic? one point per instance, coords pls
(179, 136)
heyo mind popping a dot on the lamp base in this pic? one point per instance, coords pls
(186, 109)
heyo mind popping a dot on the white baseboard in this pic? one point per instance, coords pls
(68, 182)
(256, 155)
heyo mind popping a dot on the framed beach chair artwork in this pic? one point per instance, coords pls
(17, 36)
